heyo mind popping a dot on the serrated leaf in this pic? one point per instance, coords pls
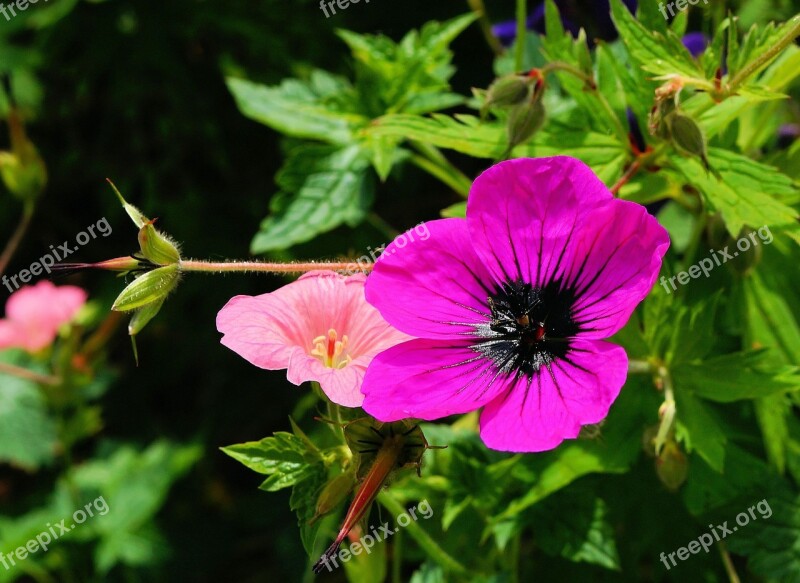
(738, 204)
(698, 429)
(737, 376)
(297, 109)
(581, 535)
(335, 190)
(654, 52)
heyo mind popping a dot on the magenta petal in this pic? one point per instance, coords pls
(539, 413)
(522, 213)
(617, 258)
(434, 288)
(429, 379)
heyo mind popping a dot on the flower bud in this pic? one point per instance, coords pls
(672, 466)
(506, 91)
(524, 121)
(746, 261)
(687, 136)
(22, 169)
(333, 494)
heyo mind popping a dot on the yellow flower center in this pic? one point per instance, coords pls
(331, 352)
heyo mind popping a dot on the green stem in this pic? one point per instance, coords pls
(753, 66)
(424, 540)
(572, 70)
(385, 228)
(639, 367)
(16, 238)
(478, 8)
(522, 29)
(669, 409)
(515, 544)
(397, 557)
(29, 375)
(460, 183)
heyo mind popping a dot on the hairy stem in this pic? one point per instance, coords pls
(195, 265)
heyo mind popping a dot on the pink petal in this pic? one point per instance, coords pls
(617, 258)
(429, 379)
(434, 288)
(522, 213)
(45, 304)
(537, 414)
(276, 331)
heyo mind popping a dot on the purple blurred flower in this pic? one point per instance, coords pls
(696, 42)
(597, 21)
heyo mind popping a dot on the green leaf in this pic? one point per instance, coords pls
(303, 501)
(771, 541)
(300, 109)
(581, 535)
(334, 189)
(738, 204)
(467, 135)
(732, 377)
(654, 52)
(27, 433)
(283, 457)
(698, 429)
(455, 211)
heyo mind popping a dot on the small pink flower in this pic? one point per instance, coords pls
(320, 328)
(35, 313)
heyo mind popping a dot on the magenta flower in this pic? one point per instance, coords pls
(35, 313)
(510, 306)
(320, 328)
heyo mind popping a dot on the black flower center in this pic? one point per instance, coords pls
(530, 327)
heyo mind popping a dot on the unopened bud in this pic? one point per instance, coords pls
(507, 91)
(687, 136)
(746, 261)
(22, 169)
(334, 492)
(672, 466)
(523, 122)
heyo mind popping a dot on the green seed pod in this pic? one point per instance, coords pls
(523, 122)
(506, 92)
(148, 288)
(672, 466)
(157, 247)
(687, 136)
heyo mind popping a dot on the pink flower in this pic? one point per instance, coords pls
(510, 306)
(35, 313)
(320, 328)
